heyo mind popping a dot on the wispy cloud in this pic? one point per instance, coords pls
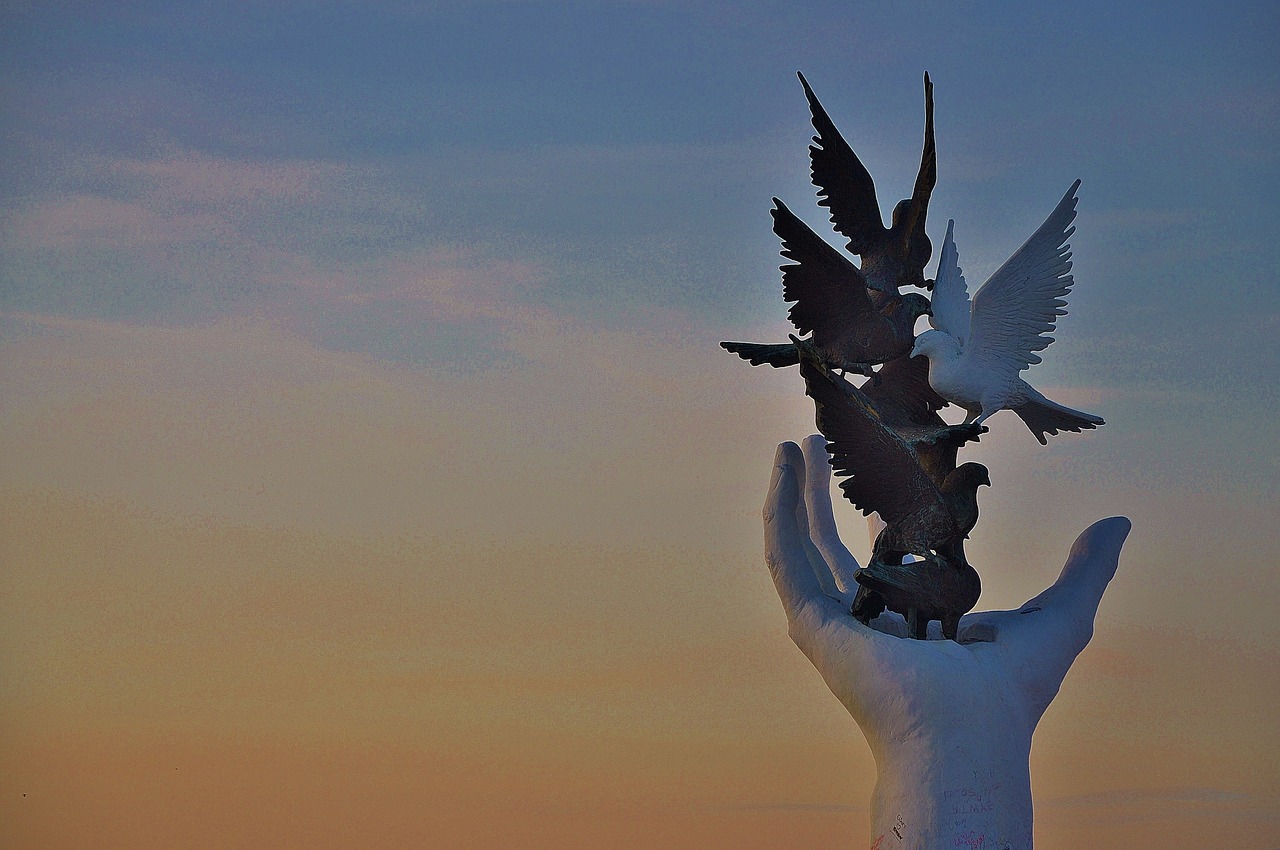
(446, 283)
(94, 222)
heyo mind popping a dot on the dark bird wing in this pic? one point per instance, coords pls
(879, 468)
(910, 226)
(901, 392)
(844, 185)
(828, 290)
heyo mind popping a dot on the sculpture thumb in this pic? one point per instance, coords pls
(1089, 568)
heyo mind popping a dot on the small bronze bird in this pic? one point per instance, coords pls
(852, 328)
(891, 257)
(930, 589)
(883, 473)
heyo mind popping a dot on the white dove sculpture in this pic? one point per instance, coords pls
(976, 351)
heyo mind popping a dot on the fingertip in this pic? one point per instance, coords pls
(817, 467)
(1108, 534)
(786, 454)
(782, 483)
(780, 461)
(1097, 549)
(813, 444)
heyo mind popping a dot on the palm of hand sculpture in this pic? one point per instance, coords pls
(949, 723)
(976, 351)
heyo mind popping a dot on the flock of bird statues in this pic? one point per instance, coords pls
(894, 453)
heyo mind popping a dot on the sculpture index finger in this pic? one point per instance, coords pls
(822, 523)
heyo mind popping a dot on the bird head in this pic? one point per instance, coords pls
(916, 305)
(974, 474)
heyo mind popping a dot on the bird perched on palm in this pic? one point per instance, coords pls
(924, 516)
(977, 350)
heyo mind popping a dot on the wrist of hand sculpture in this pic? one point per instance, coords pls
(949, 723)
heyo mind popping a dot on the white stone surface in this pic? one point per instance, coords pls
(977, 349)
(949, 723)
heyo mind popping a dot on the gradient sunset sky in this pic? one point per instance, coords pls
(371, 476)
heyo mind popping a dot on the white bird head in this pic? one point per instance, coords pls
(935, 343)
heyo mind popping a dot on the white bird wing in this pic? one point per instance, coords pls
(950, 300)
(1016, 308)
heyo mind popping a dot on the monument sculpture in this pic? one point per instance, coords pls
(949, 720)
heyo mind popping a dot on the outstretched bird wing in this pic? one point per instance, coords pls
(950, 300)
(829, 292)
(910, 227)
(880, 470)
(1019, 305)
(844, 185)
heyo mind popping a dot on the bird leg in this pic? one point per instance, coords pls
(864, 369)
(913, 623)
(867, 605)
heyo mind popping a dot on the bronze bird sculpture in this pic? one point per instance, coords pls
(892, 256)
(924, 517)
(853, 328)
(929, 589)
(901, 395)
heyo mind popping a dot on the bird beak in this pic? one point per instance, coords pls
(915, 349)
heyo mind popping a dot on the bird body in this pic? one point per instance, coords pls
(952, 377)
(924, 590)
(892, 256)
(928, 528)
(977, 350)
(901, 395)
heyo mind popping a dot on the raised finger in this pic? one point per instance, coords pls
(822, 522)
(784, 539)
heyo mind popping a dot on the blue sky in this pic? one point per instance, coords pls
(612, 160)
(591, 132)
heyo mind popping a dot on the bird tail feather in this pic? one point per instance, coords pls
(1043, 416)
(757, 353)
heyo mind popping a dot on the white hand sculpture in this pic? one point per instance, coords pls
(949, 723)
